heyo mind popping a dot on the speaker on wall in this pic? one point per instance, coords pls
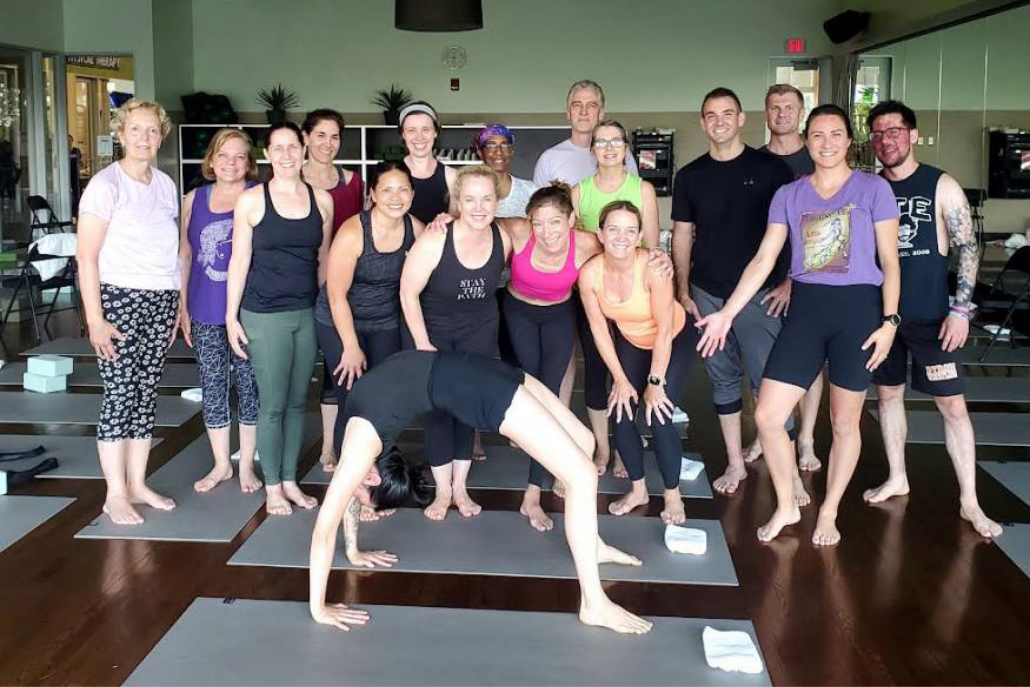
(846, 25)
(438, 15)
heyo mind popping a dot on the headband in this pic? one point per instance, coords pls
(480, 138)
(417, 108)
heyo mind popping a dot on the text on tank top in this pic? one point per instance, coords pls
(634, 316)
(543, 286)
(430, 196)
(458, 300)
(924, 271)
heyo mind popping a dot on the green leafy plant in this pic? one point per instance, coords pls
(277, 98)
(392, 99)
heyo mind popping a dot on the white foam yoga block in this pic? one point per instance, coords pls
(50, 365)
(44, 385)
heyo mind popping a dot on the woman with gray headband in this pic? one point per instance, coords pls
(432, 180)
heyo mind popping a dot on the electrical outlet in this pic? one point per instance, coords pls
(929, 140)
(920, 141)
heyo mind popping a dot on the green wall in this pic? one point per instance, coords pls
(114, 26)
(173, 51)
(40, 26)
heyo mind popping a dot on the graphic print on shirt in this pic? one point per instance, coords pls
(473, 289)
(827, 241)
(215, 249)
(913, 211)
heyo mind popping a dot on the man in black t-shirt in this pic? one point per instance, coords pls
(720, 209)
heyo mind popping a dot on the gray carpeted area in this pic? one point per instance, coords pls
(420, 646)
(992, 429)
(1013, 475)
(19, 515)
(1015, 542)
(80, 347)
(979, 390)
(176, 375)
(497, 543)
(215, 517)
(65, 408)
(76, 456)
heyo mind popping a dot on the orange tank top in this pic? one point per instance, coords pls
(633, 316)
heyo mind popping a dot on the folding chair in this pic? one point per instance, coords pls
(44, 221)
(1009, 292)
(31, 279)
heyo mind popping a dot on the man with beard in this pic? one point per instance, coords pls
(934, 215)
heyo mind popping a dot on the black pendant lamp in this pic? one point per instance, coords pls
(438, 15)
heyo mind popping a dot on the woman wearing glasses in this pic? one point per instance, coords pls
(495, 145)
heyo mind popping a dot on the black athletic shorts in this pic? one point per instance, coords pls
(934, 371)
(826, 323)
(475, 389)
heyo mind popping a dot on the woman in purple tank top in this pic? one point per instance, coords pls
(204, 250)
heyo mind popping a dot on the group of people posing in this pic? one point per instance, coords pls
(785, 261)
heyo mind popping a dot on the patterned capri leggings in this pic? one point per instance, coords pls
(216, 361)
(145, 318)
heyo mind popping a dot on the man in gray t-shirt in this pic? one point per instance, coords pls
(572, 161)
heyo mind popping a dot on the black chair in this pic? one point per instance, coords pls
(1009, 293)
(44, 220)
(29, 280)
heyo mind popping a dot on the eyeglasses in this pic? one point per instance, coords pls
(601, 143)
(494, 147)
(891, 134)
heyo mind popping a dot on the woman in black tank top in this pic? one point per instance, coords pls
(280, 243)
(448, 293)
(431, 179)
(358, 312)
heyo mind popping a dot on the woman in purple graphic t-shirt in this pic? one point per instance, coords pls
(843, 311)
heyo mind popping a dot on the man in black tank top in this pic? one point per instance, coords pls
(934, 215)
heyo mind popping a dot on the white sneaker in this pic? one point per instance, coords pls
(679, 416)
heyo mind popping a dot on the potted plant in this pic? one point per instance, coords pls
(392, 101)
(276, 102)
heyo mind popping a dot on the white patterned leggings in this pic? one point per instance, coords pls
(217, 361)
(145, 318)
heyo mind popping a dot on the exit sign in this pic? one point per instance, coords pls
(795, 45)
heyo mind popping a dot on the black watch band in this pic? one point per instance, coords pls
(892, 319)
(655, 380)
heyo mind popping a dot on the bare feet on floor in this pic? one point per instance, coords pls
(801, 496)
(826, 532)
(807, 462)
(610, 554)
(558, 488)
(465, 505)
(753, 452)
(614, 618)
(730, 480)
(779, 520)
(538, 519)
(635, 498)
(370, 514)
(292, 492)
(121, 511)
(249, 481)
(600, 459)
(275, 500)
(673, 513)
(620, 469)
(218, 474)
(437, 510)
(327, 459)
(983, 525)
(478, 452)
(894, 486)
(146, 495)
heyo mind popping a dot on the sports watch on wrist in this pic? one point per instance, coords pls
(894, 319)
(655, 380)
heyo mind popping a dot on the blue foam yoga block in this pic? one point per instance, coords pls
(50, 365)
(44, 385)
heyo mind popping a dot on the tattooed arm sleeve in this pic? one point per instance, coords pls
(350, 525)
(961, 236)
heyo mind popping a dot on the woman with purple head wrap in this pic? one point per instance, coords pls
(495, 145)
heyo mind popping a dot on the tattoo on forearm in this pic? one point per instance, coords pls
(962, 237)
(350, 524)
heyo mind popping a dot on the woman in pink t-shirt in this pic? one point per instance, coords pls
(129, 275)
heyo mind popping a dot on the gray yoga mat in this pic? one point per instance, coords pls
(76, 456)
(80, 347)
(176, 375)
(1001, 355)
(992, 429)
(1015, 542)
(497, 543)
(215, 517)
(411, 645)
(507, 469)
(64, 408)
(19, 515)
(1013, 475)
(979, 390)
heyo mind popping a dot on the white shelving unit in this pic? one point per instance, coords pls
(363, 141)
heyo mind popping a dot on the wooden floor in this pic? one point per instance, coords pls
(911, 596)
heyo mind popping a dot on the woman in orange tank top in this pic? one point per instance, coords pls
(649, 352)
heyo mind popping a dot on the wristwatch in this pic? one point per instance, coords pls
(655, 380)
(892, 319)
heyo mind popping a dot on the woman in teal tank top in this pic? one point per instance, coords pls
(612, 182)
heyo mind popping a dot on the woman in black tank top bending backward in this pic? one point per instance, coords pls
(449, 296)
(358, 312)
(491, 395)
(432, 180)
(280, 242)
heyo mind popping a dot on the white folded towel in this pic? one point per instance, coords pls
(195, 395)
(731, 650)
(236, 457)
(686, 540)
(690, 469)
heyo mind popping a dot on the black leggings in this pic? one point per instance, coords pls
(595, 372)
(542, 337)
(636, 363)
(377, 346)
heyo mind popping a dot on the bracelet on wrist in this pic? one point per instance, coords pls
(958, 313)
